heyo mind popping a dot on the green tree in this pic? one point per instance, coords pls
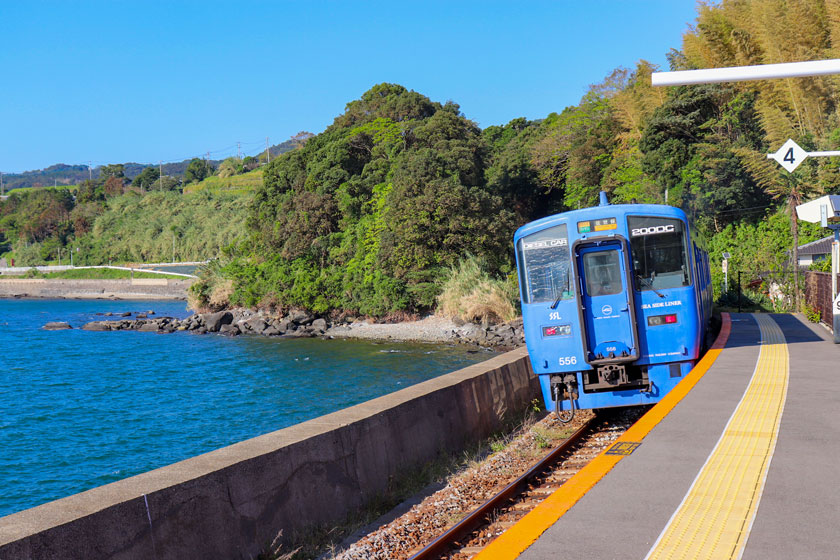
(146, 178)
(114, 170)
(197, 170)
(166, 183)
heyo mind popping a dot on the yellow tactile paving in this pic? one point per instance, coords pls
(515, 540)
(716, 515)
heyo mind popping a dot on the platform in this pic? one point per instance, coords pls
(738, 461)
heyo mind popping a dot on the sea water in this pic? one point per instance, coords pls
(79, 409)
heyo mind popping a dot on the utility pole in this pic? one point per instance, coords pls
(239, 150)
(90, 173)
(160, 174)
(2, 188)
(267, 152)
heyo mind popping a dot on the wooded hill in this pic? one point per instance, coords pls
(375, 214)
(371, 215)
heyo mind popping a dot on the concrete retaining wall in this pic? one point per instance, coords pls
(138, 288)
(231, 502)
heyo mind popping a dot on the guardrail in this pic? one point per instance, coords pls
(22, 270)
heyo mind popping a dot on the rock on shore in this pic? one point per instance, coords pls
(298, 323)
(56, 326)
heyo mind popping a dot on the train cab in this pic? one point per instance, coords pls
(613, 303)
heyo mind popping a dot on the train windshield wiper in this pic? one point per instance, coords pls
(562, 293)
(649, 284)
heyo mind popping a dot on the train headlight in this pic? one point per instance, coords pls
(557, 330)
(656, 320)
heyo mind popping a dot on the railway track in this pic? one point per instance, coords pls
(469, 536)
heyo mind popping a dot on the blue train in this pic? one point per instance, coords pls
(616, 300)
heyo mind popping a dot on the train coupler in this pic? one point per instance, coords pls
(564, 387)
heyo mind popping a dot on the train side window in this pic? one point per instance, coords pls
(545, 266)
(602, 272)
(659, 252)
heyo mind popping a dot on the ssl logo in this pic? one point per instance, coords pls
(554, 316)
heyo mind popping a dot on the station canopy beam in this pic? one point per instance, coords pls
(746, 73)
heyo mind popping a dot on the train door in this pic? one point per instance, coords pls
(608, 312)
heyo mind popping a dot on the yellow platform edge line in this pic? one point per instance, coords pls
(527, 530)
(725, 534)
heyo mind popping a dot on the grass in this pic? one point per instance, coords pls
(470, 294)
(237, 184)
(103, 274)
(548, 437)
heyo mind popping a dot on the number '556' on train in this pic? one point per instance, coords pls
(616, 300)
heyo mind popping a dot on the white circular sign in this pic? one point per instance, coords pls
(606, 310)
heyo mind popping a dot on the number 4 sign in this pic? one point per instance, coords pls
(790, 155)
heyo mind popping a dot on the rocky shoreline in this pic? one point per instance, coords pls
(300, 324)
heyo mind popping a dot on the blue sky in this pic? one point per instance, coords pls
(112, 82)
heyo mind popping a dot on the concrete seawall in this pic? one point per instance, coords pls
(137, 288)
(231, 502)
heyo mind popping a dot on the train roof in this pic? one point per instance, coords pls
(601, 211)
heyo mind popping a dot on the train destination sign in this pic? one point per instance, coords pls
(597, 225)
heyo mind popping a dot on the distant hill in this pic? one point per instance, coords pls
(63, 174)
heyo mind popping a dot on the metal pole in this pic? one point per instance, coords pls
(726, 280)
(835, 262)
(835, 298)
(739, 291)
(744, 73)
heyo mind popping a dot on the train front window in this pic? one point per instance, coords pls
(660, 259)
(545, 266)
(602, 270)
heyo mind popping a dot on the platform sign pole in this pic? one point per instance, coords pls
(836, 308)
(725, 269)
(835, 295)
(725, 266)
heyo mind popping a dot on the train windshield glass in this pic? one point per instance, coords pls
(545, 266)
(602, 270)
(660, 259)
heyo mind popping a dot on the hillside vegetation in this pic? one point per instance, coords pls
(404, 196)
(124, 228)
(236, 184)
(374, 214)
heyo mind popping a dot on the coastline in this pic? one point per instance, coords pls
(137, 288)
(300, 324)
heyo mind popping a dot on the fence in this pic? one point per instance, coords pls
(818, 293)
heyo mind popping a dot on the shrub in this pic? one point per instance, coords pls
(811, 313)
(470, 294)
(212, 290)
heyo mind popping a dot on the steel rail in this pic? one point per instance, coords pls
(468, 524)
